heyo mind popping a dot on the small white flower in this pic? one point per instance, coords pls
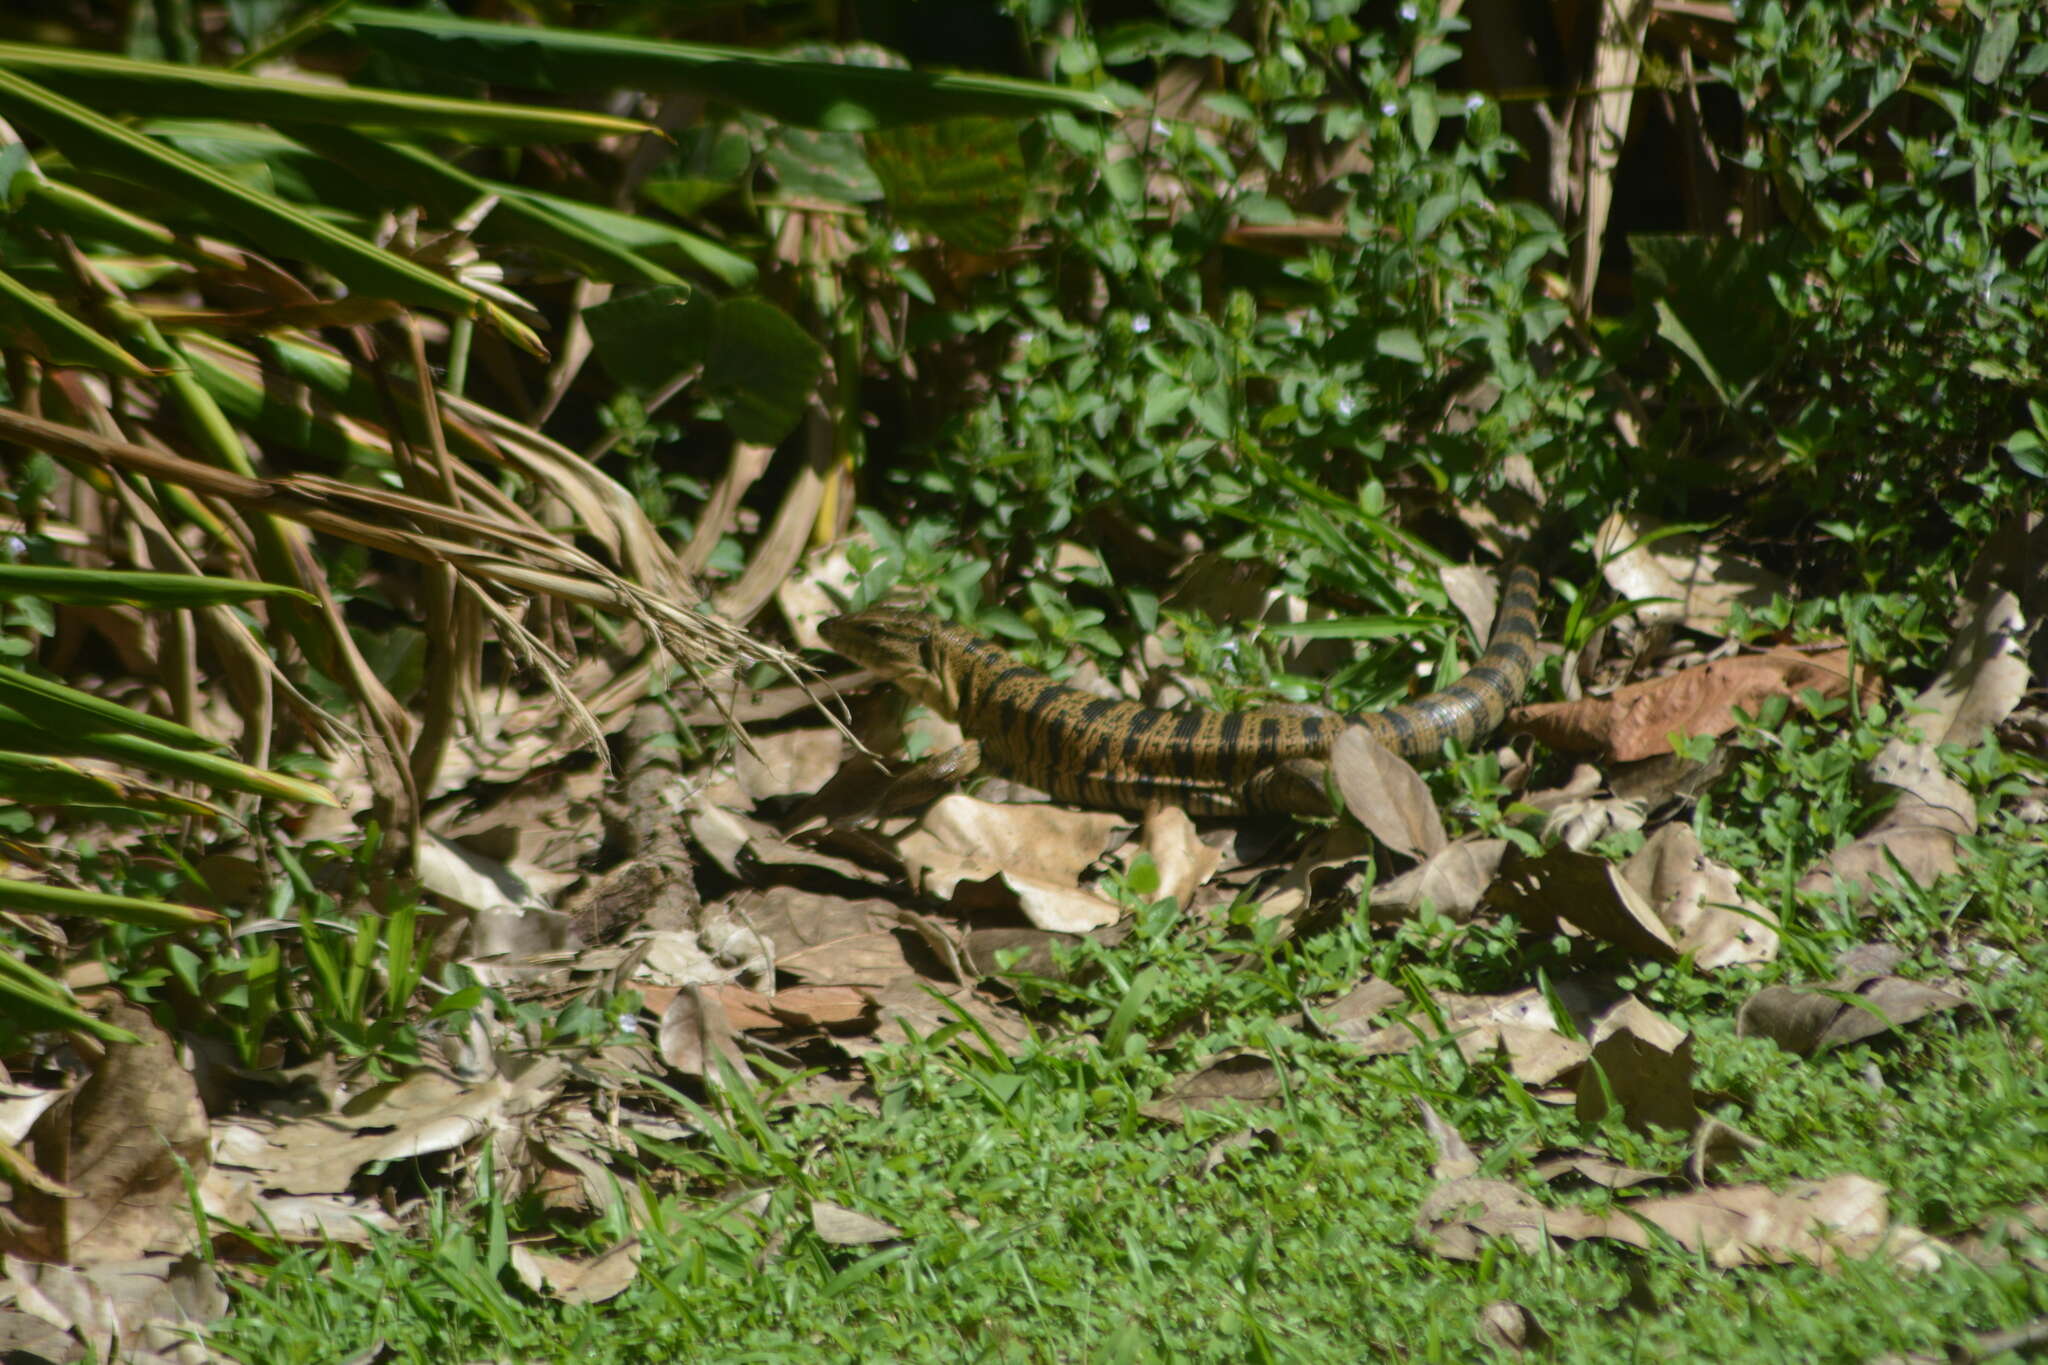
(1158, 128)
(1389, 108)
(1409, 12)
(1347, 407)
(1141, 324)
(1939, 153)
(629, 1023)
(899, 240)
(1474, 103)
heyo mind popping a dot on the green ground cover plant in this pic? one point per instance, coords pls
(425, 408)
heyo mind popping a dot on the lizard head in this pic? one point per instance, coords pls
(902, 646)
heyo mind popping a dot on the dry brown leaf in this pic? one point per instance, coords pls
(843, 1227)
(1589, 893)
(1809, 1020)
(579, 1279)
(1386, 795)
(1594, 1169)
(427, 1112)
(696, 1037)
(1518, 1027)
(1454, 1156)
(1704, 583)
(1715, 1144)
(1508, 1327)
(1637, 721)
(1701, 901)
(143, 1312)
(982, 855)
(926, 1007)
(237, 1198)
(792, 763)
(822, 940)
(1177, 850)
(1918, 833)
(825, 1007)
(1813, 1221)
(1235, 1076)
(1644, 1063)
(1983, 680)
(1475, 592)
(745, 1010)
(122, 1141)
(1351, 1014)
(1453, 882)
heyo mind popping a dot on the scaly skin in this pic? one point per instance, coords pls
(1120, 755)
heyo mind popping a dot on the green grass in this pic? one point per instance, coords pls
(1046, 1219)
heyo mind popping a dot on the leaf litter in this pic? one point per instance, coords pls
(824, 940)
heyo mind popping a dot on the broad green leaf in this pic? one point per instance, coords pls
(763, 368)
(963, 180)
(813, 94)
(647, 338)
(39, 899)
(118, 85)
(758, 363)
(106, 587)
(93, 140)
(822, 165)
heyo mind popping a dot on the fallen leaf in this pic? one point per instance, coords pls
(1594, 1169)
(147, 1311)
(1917, 834)
(1031, 857)
(1454, 1156)
(1385, 794)
(791, 763)
(1507, 1326)
(1587, 892)
(1177, 851)
(579, 1280)
(1813, 1221)
(1637, 721)
(1701, 901)
(1236, 1076)
(1642, 1062)
(1518, 1027)
(1983, 680)
(1702, 583)
(1452, 881)
(1809, 1020)
(122, 1141)
(696, 1037)
(843, 1227)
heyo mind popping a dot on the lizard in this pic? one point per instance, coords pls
(1122, 755)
